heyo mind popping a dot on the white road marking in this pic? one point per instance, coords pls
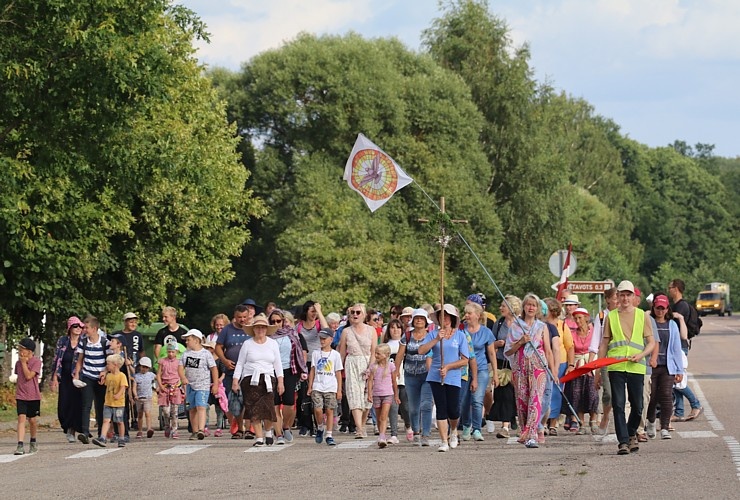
(94, 453)
(355, 445)
(708, 412)
(266, 448)
(734, 447)
(512, 440)
(697, 434)
(186, 449)
(4, 459)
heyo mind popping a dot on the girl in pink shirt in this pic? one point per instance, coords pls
(382, 388)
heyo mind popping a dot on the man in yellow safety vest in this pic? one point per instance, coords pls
(627, 334)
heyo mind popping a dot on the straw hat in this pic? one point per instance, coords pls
(571, 299)
(260, 320)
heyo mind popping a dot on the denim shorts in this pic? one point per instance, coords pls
(195, 398)
(113, 413)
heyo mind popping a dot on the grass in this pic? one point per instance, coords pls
(8, 410)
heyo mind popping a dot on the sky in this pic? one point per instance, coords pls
(661, 69)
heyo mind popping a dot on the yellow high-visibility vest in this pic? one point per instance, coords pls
(620, 347)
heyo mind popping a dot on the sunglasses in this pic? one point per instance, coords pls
(77, 326)
(276, 321)
(357, 313)
(374, 319)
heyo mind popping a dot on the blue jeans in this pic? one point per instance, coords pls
(634, 384)
(679, 394)
(419, 394)
(471, 403)
(556, 399)
(546, 397)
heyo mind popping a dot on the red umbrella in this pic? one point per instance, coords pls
(593, 365)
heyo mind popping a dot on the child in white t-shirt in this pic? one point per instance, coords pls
(144, 381)
(325, 385)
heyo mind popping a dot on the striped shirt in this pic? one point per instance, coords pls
(93, 363)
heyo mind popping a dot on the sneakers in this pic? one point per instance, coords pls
(442, 448)
(288, 435)
(650, 429)
(200, 435)
(466, 434)
(71, 437)
(490, 426)
(503, 433)
(139, 435)
(417, 439)
(664, 434)
(453, 441)
(83, 438)
(634, 445)
(303, 432)
(121, 443)
(149, 433)
(409, 434)
(175, 435)
(393, 440)
(343, 428)
(376, 431)
(269, 440)
(624, 449)
(425, 440)
(281, 440)
(33, 448)
(477, 436)
(206, 432)
(531, 443)
(330, 441)
(382, 442)
(19, 450)
(193, 436)
(166, 433)
(319, 436)
(258, 443)
(218, 433)
(99, 442)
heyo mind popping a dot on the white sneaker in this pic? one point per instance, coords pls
(453, 441)
(393, 440)
(444, 447)
(490, 426)
(664, 434)
(650, 429)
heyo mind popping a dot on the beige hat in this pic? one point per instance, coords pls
(260, 320)
(626, 286)
(571, 299)
(407, 311)
(129, 315)
(450, 310)
(209, 343)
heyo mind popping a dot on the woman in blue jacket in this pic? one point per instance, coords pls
(667, 364)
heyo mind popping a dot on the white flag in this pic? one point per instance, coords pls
(373, 174)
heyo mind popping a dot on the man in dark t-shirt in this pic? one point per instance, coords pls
(132, 339)
(169, 318)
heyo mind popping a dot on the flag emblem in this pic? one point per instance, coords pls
(373, 174)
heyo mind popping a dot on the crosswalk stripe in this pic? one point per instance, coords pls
(355, 445)
(186, 449)
(94, 453)
(272, 448)
(697, 434)
(4, 459)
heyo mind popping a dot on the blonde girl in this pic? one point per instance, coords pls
(382, 388)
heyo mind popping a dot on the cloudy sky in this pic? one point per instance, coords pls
(662, 69)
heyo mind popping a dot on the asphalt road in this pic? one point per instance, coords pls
(701, 461)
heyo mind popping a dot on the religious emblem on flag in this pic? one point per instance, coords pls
(373, 174)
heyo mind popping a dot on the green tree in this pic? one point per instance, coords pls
(122, 184)
(304, 105)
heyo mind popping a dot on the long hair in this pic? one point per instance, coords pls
(386, 350)
(668, 310)
(396, 322)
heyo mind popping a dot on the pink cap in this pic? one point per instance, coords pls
(660, 301)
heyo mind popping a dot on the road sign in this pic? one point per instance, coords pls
(557, 261)
(589, 286)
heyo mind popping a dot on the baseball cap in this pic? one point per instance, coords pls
(626, 286)
(172, 347)
(661, 301)
(194, 333)
(580, 310)
(117, 337)
(145, 362)
(129, 315)
(28, 343)
(325, 333)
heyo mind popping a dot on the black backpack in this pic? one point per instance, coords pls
(693, 321)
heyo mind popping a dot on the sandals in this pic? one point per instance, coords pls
(237, 435)
(553, 431)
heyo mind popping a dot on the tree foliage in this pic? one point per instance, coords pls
(122, 183)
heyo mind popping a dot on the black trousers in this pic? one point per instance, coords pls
(93, 394)
(633, 382)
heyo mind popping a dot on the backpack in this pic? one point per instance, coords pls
(693, 321)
